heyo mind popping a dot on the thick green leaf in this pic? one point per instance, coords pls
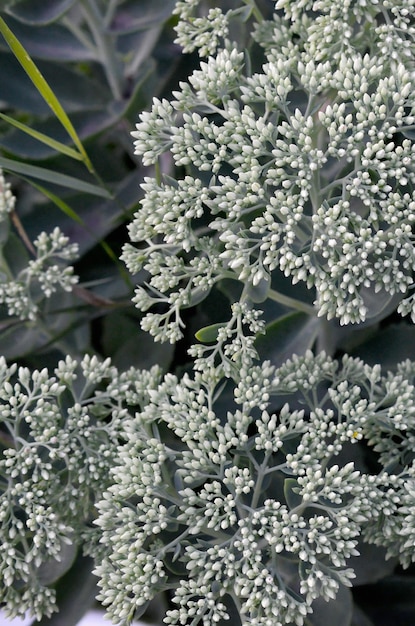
(75, 90)
(32, 171)
(52, 570)
(16, 254)
(290, 334)
(209, 334)
(259, 293)
(409, 133)
(127, 345)
(141, 95)
(39, 11)
(292, 498)
(17, 92)
(18, 339)
(133, 15)
(338, 612)
(360, 618)
(4, 231)
(6, 4)
(42, 86)
(379, 304)
(86, 220)
(371, 565)
(67, 210)
(388, 346)
(52, 42)
(76, 592)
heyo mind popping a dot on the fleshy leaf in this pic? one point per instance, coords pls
(39, 11)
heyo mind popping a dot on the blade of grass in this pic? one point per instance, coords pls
(17, 167)
(43, 88)
(52, 143)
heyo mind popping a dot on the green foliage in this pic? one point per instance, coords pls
(220, 411)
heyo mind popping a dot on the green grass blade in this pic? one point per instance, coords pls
(41, 173)
(52, 143)
(61, 204)
(43, 88)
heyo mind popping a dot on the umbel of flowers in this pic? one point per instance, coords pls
(254, 512)
(296, 156)
(59, 436)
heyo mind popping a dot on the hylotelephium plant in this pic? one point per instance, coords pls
(242, 488)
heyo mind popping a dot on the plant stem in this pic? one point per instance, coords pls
(112, 5)
(149, 40)
(105, 46)
(80, 35)
(255, 10)
(258, 486)
(292, 303)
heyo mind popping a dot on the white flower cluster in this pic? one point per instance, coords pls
(201, 33)
(303, 168)
(21, 290)
(332, 27)
(7, 199)
(59, 438)
(246, 500)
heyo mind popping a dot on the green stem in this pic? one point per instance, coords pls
(293, 303)
(105, 46)
(258, 486)
(78, 33)
(112, 5)
(149, 41)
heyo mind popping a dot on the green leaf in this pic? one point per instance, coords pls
(360, 618)
(379, 303)
(371, 565)
(209, 334)
(5, 4)
(39, 11)
(133, 15)
(127, 345)
(52, 143)
(53, 42)
(338, 611)
(259, 293)
(67, 210)
(61, 204)
(42, 86)
(52, 570)
(19, 339)
(18, 92)
(76, 593)
(388, 346)
(17, 167)
(16, 253)
(290, 334)
(292, 498)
